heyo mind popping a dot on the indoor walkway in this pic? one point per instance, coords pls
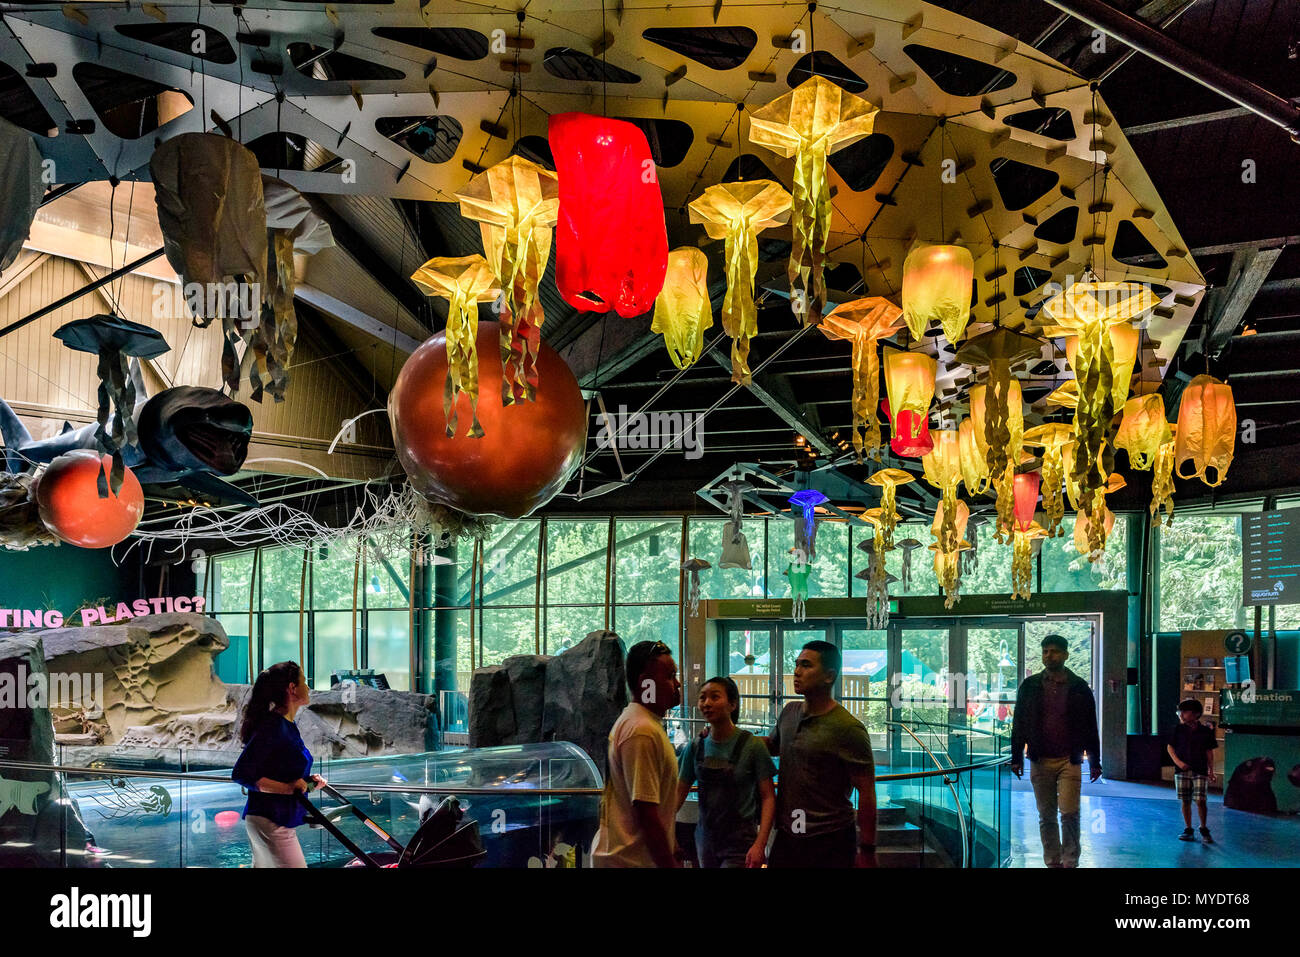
(1125, 824)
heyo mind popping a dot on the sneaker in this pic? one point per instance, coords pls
(1187, 835)
(1205, 835)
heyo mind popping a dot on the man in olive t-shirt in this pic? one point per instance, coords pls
(825, 753)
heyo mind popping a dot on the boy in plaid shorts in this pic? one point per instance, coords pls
(1192, 745)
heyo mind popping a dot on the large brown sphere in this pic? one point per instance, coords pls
(529, 451)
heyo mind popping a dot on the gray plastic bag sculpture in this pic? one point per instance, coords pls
(210, 208)
(20, 165)
(213, 218)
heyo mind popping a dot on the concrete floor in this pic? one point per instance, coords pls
(1126, 824)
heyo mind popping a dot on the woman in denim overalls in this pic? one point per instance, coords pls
(735, 771)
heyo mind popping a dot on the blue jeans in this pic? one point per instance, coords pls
(729, 851)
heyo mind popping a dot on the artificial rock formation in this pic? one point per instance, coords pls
(160, 693)
(362, 721)
(491, 708)
(32, 820)
(575, 696)
(155, 668)
(586, 690)
(505, 702)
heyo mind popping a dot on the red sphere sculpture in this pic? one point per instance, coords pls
(528, 452)
(67, 495)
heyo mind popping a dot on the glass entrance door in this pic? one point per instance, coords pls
(749, 658)
(1081, 633)
(863, 687)
(920, 655)
(994, 650)
(793, 637)
(760, 655)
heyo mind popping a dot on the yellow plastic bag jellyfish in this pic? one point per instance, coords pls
(810, 122)
(1022, 559)
(1084, 533)
(974, 463)
(947, 562)
(998, 410)
(863, 322)
(1088, 310)
(1124, 340)
(1094, 521)
(875, 517)
(516, 203)
(909, 383)
(1052, 438)
(1162, 484)
(1065, 396)
(1207, 430)
(682, 308)
(737, 213)
(999, 434)
(888, 481)
(942, 466)
(937, 283)
(464, 282)
(1072, 489)
(1143, 430)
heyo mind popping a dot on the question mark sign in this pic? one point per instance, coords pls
(199, 603)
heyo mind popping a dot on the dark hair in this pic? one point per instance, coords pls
(829, 654)
(639, 657)
(269, 692)
(1191, 704)
(733, 694)
(1057, 641)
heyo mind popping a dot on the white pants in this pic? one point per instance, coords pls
(273, 845)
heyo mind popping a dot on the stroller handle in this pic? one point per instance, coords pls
(315, 814)
(361, 815)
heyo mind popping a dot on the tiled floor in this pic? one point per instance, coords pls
(1126, 824)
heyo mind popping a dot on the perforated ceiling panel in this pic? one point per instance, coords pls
(1025, 152)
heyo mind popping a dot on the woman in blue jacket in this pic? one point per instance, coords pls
(275, 765)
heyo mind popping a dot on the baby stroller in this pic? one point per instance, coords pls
(443, 839)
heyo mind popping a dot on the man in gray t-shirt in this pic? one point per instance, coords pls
(824, 754)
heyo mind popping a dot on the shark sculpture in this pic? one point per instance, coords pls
(189, 436)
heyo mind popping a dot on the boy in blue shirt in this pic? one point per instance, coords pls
(1191, 745)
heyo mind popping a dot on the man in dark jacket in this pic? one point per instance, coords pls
(1056, 717)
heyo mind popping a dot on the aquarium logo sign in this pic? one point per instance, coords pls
(69, 692)
(75, 911)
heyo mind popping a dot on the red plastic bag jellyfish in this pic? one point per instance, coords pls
(611, 244)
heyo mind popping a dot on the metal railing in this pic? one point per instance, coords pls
(549, 792)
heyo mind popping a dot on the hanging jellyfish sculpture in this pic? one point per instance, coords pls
(809, 123)
(997, 410)
(803, 505)
(908, 545)
(798, 572)
(694, 566)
